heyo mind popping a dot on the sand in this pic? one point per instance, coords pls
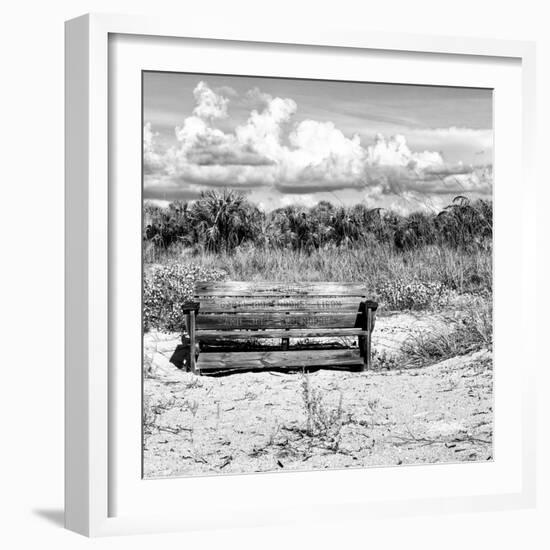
(260, 422)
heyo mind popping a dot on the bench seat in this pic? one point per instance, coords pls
(297, 359)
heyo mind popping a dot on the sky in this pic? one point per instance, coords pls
(289, 141)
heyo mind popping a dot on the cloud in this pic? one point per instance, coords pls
(225, 154)
(320, 152)
(460, 142)
(397, 180)
(271, 149)
(262, 131)
(482, 138)
(210, 105)
(256, 99)
(153, 161)
(170, 193)
(394, 152)
(226, 91)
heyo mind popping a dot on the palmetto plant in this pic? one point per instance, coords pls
(223, 220)
(166, 226)
(465, 224)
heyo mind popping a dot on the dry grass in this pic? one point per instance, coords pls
(322, 420)
(470, 331)
(376, 264)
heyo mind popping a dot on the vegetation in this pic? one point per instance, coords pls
(321, 420)
(471, 331)
(226, 221)
(165, 291)
(419, 261)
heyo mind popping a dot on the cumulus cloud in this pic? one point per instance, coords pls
(210, 104)
(273, 149)
(395, 152)
(257, 99)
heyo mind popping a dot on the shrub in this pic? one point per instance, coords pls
(166, 289)
(401, 294)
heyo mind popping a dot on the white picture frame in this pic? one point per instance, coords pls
(94, 394)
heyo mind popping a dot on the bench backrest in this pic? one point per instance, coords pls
(248, 305)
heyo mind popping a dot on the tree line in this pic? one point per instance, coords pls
(220, 221)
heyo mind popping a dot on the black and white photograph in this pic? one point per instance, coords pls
(285, 269)
(317, 274)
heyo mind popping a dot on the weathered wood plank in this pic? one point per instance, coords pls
(191, 329)
(278, 359)
(229, 321)
(211, 335)
(240, 288)
(238, 304)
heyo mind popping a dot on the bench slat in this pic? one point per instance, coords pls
(238, 304)
(228, 321)
(210, 335)
(238, 288)
(344, 308)
(228, 361)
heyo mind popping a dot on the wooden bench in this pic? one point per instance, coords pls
(227, 319)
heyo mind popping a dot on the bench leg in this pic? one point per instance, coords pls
(361, 344)
(365, 342)
(191, 331)
(368, 346)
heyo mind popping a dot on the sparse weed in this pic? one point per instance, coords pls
(148, 365)
(194, 383)
(151, 412)
(193, 408)
(322, 421)
(382, 360)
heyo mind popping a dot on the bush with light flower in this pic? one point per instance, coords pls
(165, 290)
(402, 294)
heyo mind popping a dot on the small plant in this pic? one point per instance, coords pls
(193, 408)
(151, 412)
(381, 360)
(148, 365)
(273, 434)
(373, 404)
(149, 417)
(322, 421)
(194, 383)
